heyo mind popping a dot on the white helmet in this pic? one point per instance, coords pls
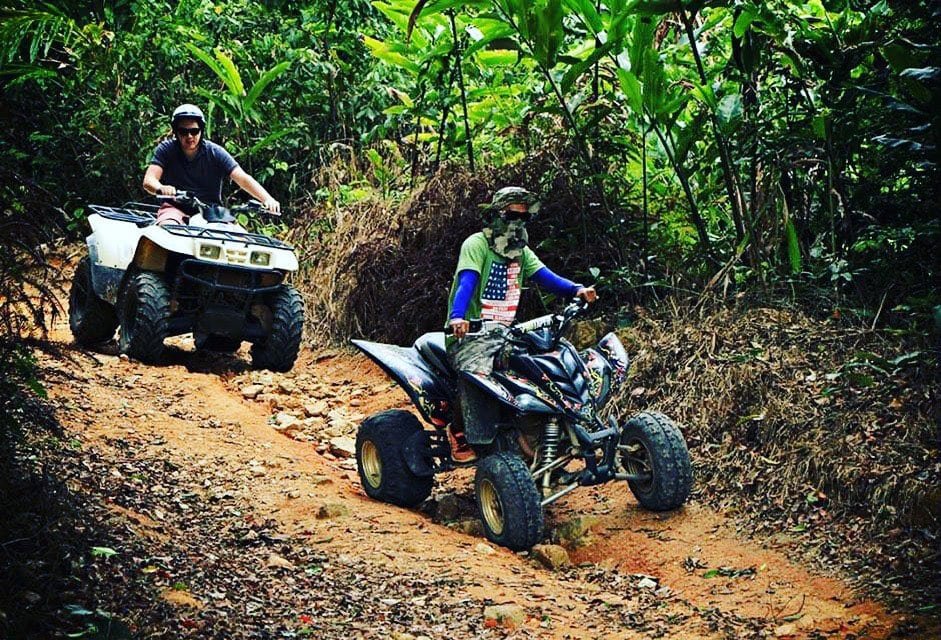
(187, 112)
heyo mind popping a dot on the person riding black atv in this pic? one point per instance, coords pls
(550, 400)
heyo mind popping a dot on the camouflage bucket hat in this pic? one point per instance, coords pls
(514, 195)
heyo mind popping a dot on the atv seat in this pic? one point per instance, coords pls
(432, 349)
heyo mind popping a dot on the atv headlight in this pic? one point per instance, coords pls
(261, 258)
(210, 251)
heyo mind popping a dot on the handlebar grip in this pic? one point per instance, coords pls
(179, 195)
(256, 205)
(475, 326)
(535, 323)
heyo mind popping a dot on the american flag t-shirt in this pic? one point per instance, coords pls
(501, 294)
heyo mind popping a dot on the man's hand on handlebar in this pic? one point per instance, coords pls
(272, 206)
(459, 327)
(588, 294)
(166, 190)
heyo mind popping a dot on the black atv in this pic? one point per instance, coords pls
(551, 439)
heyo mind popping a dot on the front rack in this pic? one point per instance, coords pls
(151, 207)
(220, 234)
(143, 214)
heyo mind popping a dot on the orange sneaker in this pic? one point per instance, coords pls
(461, 451)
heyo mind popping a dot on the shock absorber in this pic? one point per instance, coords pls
(550, 447)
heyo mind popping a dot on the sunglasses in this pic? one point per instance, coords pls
(193, 131)
(517, 215)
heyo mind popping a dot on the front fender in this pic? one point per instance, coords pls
(611, 348)
(105, 281)
(150, 256)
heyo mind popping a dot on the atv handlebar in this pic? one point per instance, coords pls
(561, 321)
(189, 197)
(574, 308)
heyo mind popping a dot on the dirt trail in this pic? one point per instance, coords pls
(707, 582)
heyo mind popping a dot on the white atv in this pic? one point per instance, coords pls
(209, 277)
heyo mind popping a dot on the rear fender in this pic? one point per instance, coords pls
(116, 241)
(424, 387)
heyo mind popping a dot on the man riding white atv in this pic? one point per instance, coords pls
(209, 277)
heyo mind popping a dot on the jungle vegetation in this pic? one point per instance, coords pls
(729, 150)
(719, 142)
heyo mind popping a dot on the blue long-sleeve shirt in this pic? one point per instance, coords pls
(468, 278)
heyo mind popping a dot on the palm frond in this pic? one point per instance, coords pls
(28, 34)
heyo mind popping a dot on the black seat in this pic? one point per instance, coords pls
(432, 349)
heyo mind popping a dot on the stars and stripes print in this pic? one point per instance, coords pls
(501, 294)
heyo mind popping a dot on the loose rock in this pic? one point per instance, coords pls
(647, 582)
(575, 532)
(181, 598)
(251, 391)
(470, 527)
(332, 510)
(449, 507)
(286, 422)
(274, 560)
(263, 378)
(316, 409)
(343, 447)
(509, 614)
(552, 556)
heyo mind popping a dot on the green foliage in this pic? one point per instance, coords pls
(785, 136)
(96, 83)
(785, 125)
(237, 104)
(98, 624)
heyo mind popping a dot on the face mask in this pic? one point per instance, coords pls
(506, 238)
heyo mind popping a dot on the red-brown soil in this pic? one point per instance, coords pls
(191, 413)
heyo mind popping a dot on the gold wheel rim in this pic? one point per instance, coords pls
(490, 507)
(372, 464)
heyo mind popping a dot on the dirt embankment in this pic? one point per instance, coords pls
(816, 428)
(225, 527)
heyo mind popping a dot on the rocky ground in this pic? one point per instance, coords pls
(219, 502)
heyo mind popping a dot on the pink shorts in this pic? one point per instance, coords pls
(168, 214)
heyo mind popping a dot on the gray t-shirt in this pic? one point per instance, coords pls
(202, 175)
